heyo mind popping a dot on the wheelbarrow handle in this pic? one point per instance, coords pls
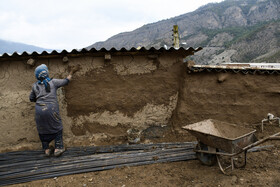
(272, 137)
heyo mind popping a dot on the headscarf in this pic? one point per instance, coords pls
(42, 74)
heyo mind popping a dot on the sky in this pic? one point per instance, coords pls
(75, 24)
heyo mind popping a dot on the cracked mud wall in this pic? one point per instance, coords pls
(129, 92)
(17, 120)
(230, 97)
(103, 100)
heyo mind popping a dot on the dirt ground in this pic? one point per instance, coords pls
(262, 169)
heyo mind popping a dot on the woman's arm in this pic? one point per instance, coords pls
(32, 96)
(62, 82)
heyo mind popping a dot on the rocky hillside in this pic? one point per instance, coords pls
(230, 31)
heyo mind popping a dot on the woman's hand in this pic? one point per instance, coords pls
(75, 69)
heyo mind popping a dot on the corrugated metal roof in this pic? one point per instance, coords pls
(181, 50)
(260, 65)
(233, 68)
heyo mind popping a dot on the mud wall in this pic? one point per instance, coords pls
(17, 120)
(105, 99)
(100, 104)
(231, 97)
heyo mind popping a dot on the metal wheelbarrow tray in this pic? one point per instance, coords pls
(224, 139)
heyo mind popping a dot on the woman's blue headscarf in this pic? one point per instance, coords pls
(42, 74)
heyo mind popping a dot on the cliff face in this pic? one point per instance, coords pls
(225, 30)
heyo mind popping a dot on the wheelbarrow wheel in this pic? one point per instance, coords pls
(205, 158)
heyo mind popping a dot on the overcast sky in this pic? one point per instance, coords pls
(75, 24)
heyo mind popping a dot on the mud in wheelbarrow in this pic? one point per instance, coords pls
(217, 139)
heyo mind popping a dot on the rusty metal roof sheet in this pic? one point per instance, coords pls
(246, 69)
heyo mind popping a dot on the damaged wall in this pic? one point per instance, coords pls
(125, 93)
(106, 98)
(102, 102)
(231, 97)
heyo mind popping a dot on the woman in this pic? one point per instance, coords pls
(48, 120)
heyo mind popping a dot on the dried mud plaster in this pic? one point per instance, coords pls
(129, 91)
(138, 94)
(105, 99)
(229, 97)
(107, 91)
(148, 115)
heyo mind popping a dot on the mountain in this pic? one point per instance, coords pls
(230, 31)
(11, 47)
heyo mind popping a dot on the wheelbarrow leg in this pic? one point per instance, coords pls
(221, 167)
(232, 165)
(245, 161)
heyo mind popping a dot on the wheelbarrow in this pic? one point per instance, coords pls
(217, 139)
